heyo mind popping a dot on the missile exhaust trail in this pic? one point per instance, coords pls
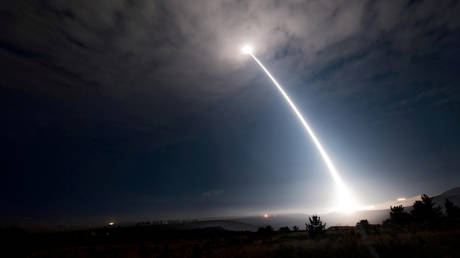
(345, 197)
(327, 160)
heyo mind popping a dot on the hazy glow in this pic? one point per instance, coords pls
(401, 199)
(247, 49)
(266, 216)
(111, 223)
(345, 201)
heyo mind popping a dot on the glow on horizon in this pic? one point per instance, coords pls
(346, 201)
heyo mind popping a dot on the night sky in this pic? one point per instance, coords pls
(146, 109)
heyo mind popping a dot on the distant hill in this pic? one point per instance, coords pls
(453, 195)
(233, 225)
(374, 216)
(405, 202)
(331, 219)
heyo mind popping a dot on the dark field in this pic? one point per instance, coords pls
(153, 241)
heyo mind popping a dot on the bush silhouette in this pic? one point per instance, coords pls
(363, 224)
(265, 230)
(315, 227)
(452, 211)
(398, 216)
(284, 230)
(424, 210)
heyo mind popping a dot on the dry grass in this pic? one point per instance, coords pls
(294, 244)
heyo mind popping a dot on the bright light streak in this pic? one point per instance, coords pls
(401, 199)
(346, 202)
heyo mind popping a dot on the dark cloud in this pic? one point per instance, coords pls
(141, 46)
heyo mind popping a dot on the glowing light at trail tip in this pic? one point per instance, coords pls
(345, 200)
(247, 49)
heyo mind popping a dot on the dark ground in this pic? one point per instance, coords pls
(167, 241)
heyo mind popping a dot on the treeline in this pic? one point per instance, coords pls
(423, 213)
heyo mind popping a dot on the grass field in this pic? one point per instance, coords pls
(155, 242)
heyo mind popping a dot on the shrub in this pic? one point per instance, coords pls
(452, 211)
(424, 210)
(265, 230)
(399, 216)
(284, 230)
(363, 224)
(315, 227)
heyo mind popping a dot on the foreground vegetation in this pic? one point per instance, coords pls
(341, 242)
(425, 231)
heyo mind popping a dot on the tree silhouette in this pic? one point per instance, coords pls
(452, 211)
(363, 223)
(295, 228)
(399, 216)
(315, 227)
(425, 211)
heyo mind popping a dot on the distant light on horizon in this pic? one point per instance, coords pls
(401, 199)
(265, 216)
(111, 223)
